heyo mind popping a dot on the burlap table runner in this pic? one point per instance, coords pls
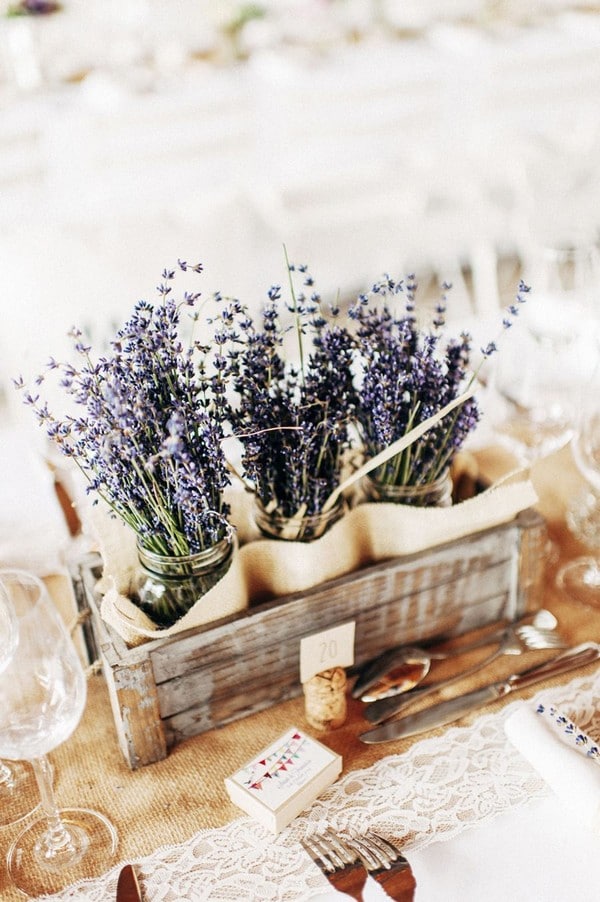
(167, 802)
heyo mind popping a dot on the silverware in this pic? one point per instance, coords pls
(453, 709)
(344, 871)
(399, 669)
(346, 861)
(515, 641)
(386, 864)
(128, 888)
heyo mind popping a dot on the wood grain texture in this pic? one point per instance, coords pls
(169, 689)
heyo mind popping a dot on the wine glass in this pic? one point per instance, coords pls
(580, 578)
(42, 698)
(17, 783)
(9, 633)
(551, 354)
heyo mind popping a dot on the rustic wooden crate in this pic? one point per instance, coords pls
(170, 689)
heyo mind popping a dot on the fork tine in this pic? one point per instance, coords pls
(335, 846)
(385, 864)
(386, 847)
(371, 856)
(539, 637)
(318, 856)
(342, 867)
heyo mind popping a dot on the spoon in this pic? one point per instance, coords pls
(400, 669)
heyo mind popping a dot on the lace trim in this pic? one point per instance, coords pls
(438, 788)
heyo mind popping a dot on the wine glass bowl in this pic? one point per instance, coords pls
(43, 695)
(9, 633)
(580, 578)
(17, 783)
(552, 353)
(43, 703)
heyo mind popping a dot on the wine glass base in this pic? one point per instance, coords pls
(90, 853)
(580, 579)
(19, 795)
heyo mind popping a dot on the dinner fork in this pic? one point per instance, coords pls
(347, 862)
(515, 641)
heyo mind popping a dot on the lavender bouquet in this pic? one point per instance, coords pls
(292, 418)
(149, 437)
(409, 374)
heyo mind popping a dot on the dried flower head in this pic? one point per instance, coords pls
(292, 408)
(149, 438)
(408, 374)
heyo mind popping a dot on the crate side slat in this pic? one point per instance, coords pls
(136, 713)
(379, 585)
(531, 558)
(169, 689)
(254, 694)
(201, 718)
(433, 611)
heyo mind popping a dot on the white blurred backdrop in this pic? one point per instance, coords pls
(451, 138)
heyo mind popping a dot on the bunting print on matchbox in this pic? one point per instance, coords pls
(284, 779)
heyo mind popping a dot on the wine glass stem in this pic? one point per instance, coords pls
(6, 777)
(57, 838)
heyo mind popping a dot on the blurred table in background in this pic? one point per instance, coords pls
(367, 137)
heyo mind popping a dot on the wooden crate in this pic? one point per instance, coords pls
(170, 689)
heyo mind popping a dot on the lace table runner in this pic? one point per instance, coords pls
(438, 788)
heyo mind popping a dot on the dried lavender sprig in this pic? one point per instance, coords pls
(149, 439)
(408, 376)
(293, 419)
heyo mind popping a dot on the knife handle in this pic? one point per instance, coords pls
(578, 656)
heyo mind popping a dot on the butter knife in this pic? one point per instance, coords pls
(128, 888)
(453, 709)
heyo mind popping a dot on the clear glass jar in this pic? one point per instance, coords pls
(297, 529)
(433, 494)
(167, 586)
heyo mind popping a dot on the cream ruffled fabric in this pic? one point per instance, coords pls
(265, 567)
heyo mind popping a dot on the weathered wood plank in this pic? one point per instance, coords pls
(169, 689)
(380, 584)
(136, 712)
(279, 657)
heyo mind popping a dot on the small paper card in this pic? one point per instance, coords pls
(284, 779)
(329, 648)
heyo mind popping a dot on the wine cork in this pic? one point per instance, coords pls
(325, 699)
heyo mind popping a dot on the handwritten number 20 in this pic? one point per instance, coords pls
(328, 650)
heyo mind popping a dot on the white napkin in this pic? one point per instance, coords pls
(562, 761)
(33, 531)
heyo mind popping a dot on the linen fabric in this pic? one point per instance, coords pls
(367, 534)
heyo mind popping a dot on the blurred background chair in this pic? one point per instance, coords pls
(367, 136)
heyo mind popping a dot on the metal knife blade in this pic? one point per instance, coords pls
(128, 888)
(447, 712)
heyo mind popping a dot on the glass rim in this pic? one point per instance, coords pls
(318, 517)
(26, 578)
(216, 549)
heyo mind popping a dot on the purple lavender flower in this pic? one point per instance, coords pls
(149, 437)
(292, 418)
(409, 374)
(34, 8)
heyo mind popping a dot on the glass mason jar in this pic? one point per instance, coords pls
(167, 586)
(432, 494)
(297, 529)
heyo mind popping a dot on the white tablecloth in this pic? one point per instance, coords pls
(33, 533)
(473, 816)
